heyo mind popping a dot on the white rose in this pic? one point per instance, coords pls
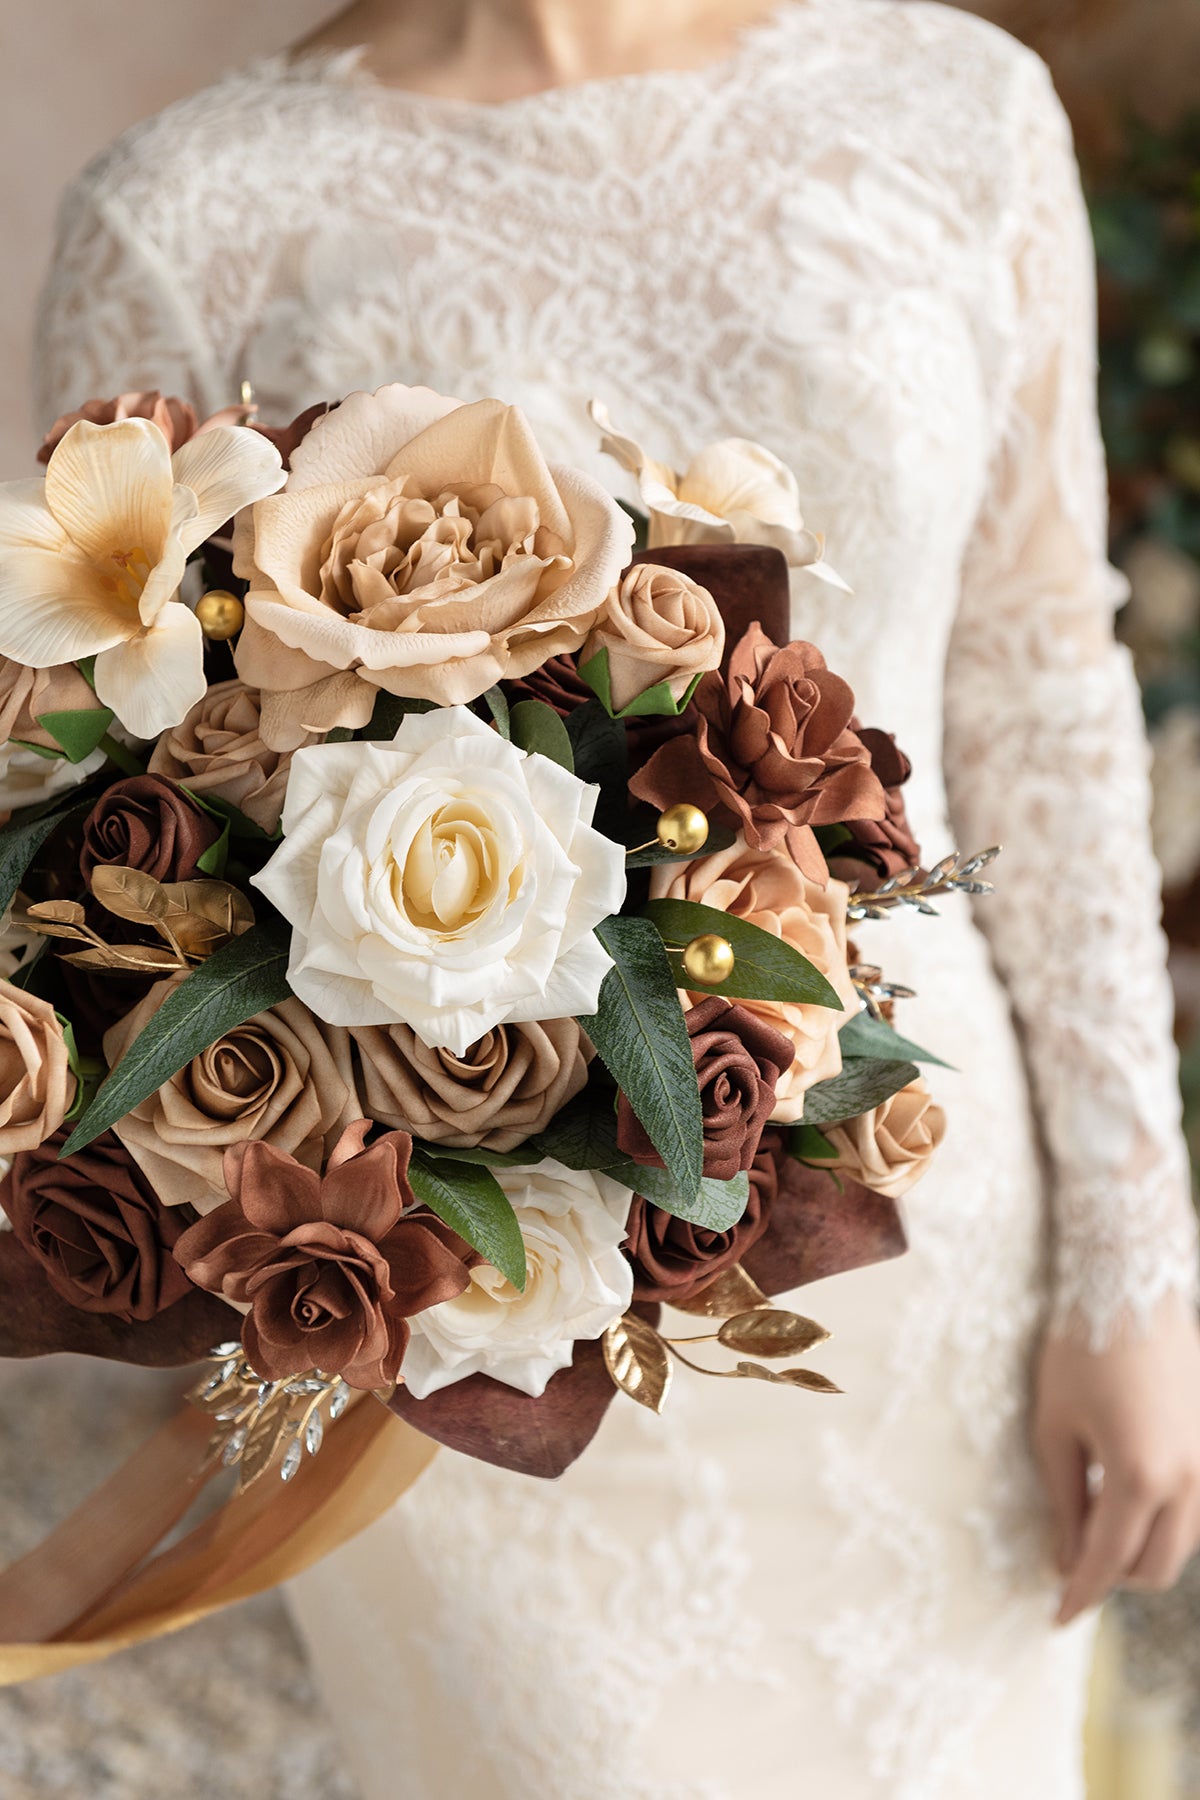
(27, 778)
(447, 881)
(573, 1224)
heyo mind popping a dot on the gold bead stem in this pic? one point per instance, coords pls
(221, 615)
(683, 827)
(708, 959)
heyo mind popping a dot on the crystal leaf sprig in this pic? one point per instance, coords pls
(260, 1424)
(955, 874)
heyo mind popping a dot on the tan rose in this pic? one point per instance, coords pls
(888, 1148)
(766, 888)
(36, 1083)
(281, 1078)
(218, 749)
(505, 1087)
(175, 418)
(25, 694)
(657, 625)
(421, 546)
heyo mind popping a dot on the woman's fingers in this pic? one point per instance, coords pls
(1114, 1537)
(1172, 1540)
(1064, 1470)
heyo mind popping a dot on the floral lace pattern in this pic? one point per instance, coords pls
(859, 240)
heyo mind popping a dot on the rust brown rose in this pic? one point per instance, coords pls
(175, 418)
(95, 1225)
(331, 1268)
(773, 752)
(505, 1087)
(880, 848)
(672, 1259)
(36, 1083)
(283, 1076)
(557, 682)
(739, 1059)
(218, 749)
(146, 822)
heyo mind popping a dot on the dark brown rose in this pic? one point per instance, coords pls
(96, 1227)
(672, 1259)
(739, 1059)
(557, 683)
(146, 822)
(774, 751)
(331, 1267)
(880, 847)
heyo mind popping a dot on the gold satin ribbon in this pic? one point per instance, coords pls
(87, 1591)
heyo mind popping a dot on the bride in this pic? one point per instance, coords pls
(851, 230)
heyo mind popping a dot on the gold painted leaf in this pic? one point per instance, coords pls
(149, 958)
(130, 894)
(53, 912)
(264, 1438)
(728, 1294)
(637, 1359)
(801, 1378)
(768, 1332)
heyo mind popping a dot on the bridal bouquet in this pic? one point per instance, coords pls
(426, 924)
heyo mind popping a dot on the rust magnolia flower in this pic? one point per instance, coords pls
(880, 847)
(773, 750)
(331, 1268)
(147, 823)
(97, 1228)
(672, 1259)
(739, 1059)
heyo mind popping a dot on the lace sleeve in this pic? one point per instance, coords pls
(1046, 754)
(112, 317)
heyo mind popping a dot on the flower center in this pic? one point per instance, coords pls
(126, 575)
(451, 875)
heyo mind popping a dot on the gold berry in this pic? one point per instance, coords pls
(221, 615)
(682, 827)
(708, 959)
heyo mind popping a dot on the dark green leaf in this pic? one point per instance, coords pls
(861, 1085)
(599, 748)
(807, 1144)
(717, 1206)
(497, 705)
(641, 524)
(488, 1159)
(236, 821)
(865, 1036)
(641, 1039)
(765, 967)
(389, 714)
(24, 836)
(654, 702)
(583, 1135)
(242, 978)
(717, 839)
(212, 861)
(538, 729)
(78, 733)
(471, 1201)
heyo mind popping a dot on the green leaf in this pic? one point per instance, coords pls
(236, 822)
(641, 524)
(389, 714)
(538, 729)
(765, 967)
(642, 1040)
(471, 1201)
(809, 1145)
(653, 702)
(488, 1159)
(24, 836)
(242, 978)
(717, 1206)
(602, 756)
(212, 861)
(341, 734)
(861, 1085)
(78, 733)
(497, 705)
(717, 839)
(865, 1036)
(45, 751)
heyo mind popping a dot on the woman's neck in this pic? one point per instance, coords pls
(500, 49)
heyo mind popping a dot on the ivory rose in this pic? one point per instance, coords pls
(447, 881)
(767, 889)
(218, 749)
(36, 1083)
(889, 1148)
(573, 1223)
(657, 625)
(422, 546)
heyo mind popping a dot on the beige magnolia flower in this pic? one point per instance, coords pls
(889, 1148)
(91, 557)
(732, 492)
(421, 546)
(657, 625)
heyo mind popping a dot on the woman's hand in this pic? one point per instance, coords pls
(1133, 1411)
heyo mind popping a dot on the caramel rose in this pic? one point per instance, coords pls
(889, 1148)
(25, 694)
(773, 751)
(218, 749)
(147, 823)
(36, 1083)
(175, 418)
(739, 1059)
(880, 848)
(505, 1087)
(282, 1077)
(95, 1225)
(672, 1259)
(331, 1269)
(766, 888)
(657, 626)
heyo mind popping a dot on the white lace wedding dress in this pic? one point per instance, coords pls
(859, 240)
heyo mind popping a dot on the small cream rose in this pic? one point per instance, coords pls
(218, 749)
(506, 1086)
(889, 1148)
(36, 1083)
(657, 625)
(765, 888)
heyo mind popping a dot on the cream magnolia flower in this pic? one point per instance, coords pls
(573, 1224)
(447, 881)
(422, 546)
(732, 492)
(92, 556)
